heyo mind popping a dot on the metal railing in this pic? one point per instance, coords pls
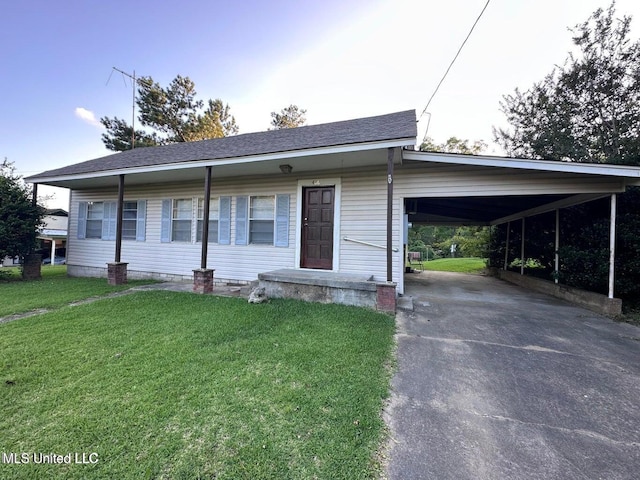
(347, 239)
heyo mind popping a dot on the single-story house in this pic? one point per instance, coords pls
(334, 197)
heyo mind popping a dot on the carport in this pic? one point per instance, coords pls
(455, 190)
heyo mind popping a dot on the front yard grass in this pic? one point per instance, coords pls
(54, 290)
(175, 385)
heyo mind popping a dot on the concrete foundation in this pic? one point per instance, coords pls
(595, 302)
(82, 271)
(330, 287)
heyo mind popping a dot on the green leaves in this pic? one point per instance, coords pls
(289, 117)
(587, 110)
(172, 114)
(19, 218)
(454, 145)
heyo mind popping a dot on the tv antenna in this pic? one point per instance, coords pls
(133, 103)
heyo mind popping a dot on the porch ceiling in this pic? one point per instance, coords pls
(486, 210)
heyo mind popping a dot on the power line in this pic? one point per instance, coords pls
(452, 62)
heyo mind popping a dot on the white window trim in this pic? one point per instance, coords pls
(194, 206)
(273, 220)
(215, 200)
(320, 182)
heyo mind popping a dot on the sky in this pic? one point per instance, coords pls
(338, 59)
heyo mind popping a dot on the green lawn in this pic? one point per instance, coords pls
(54, 290)
(464, 265)
(182, 386)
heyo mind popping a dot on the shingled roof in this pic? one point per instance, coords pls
(392, 126)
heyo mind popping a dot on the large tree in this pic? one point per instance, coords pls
(170, 115)
(587, 110)
(19, 217)
(289, 117)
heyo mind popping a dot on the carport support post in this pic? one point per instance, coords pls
(119, 218)
(203, 277)
(390, 153)
(506, 248)
(117, 270)
(557, 253)
(522, 250)
(612, 245)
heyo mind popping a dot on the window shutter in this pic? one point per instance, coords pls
(109, 221)
(82, 220)
(165, 229)
(281, 230)
(242, 220)
(224, 221)
(140, 221)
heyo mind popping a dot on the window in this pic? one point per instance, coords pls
(129, 220)
(181, 217)
(98, 220)
(261, 219)
(213, 220)
(95, 213)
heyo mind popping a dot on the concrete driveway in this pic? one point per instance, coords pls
(496, 382)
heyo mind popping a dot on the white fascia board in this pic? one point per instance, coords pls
(525, 164)
(235, 160)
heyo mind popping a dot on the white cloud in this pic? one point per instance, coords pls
(87, 116)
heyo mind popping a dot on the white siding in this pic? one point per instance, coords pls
(231, 262)
(364, 218)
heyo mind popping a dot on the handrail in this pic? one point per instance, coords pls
(347, 239)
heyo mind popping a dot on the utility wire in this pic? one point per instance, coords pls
(452, 62)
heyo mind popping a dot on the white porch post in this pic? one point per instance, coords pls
(522, 250)
(53, 251)
(506, 248)
(557, 255)
(612, 245)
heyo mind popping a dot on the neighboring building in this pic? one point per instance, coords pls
(306, 198)
(52, 237)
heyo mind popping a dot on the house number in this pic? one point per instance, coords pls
(389, 179)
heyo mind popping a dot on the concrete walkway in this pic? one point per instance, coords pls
(495, 382)
(219, 290)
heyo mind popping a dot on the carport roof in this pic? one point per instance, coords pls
(496, 209)
(629, 172)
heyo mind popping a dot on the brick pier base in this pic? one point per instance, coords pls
(386, 297)
(117, 273)
(31, 268)
(203, 280)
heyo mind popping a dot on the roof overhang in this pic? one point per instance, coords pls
(630, 173)
(316, 159)
(485, 208)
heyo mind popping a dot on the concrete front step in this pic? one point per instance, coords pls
(329, 287)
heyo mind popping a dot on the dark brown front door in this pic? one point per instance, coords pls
(317, 227)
